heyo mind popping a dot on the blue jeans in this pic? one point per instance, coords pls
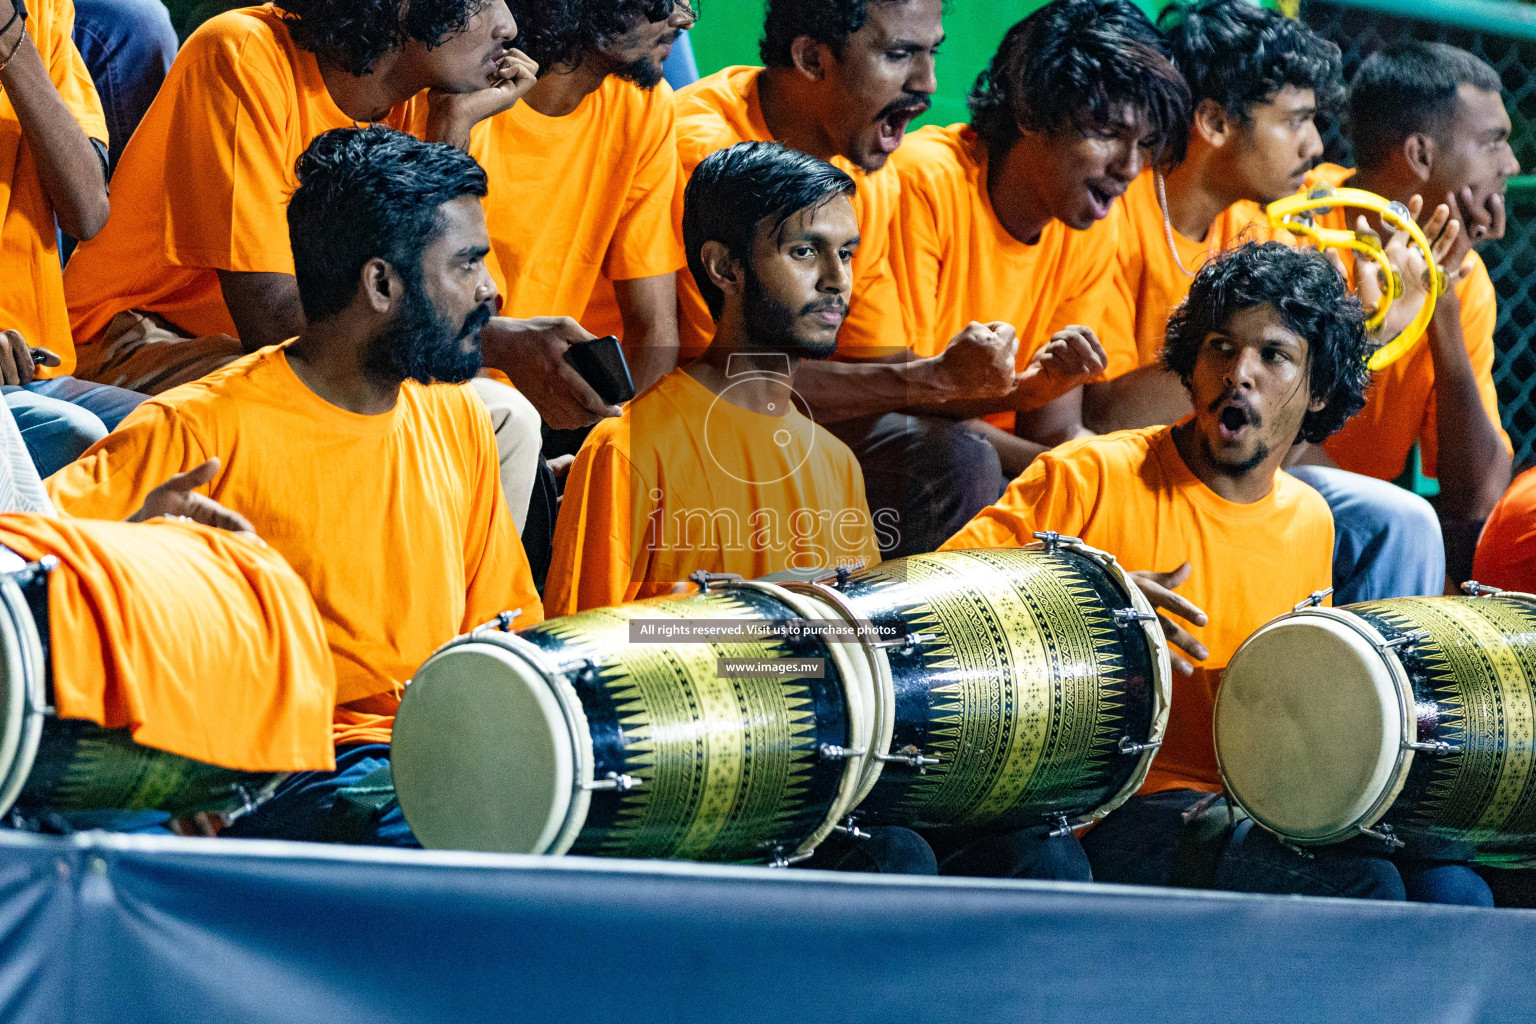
(305, 806)
(1444, 882)
(1021, 853)
(1387, 540)
(680, 67)
(60, 418)
(128, 46)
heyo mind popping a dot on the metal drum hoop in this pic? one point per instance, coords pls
(1162, 666)
(23, 664)
(859, 718)
(1407, 720)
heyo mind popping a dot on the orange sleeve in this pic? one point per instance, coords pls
(1479, 315)
(597, 557)
(111, 480)
(916, 254)
(66, 67)
(1052, 494)
(1099, 293)
(496, 571)
(1506, 552)
(648, 241)
(226, 206)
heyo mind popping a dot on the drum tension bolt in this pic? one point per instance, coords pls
(833, 752)
(1130, 747)
(849, 828)
(779, 860)
(1065, 827)
(613, 781)
(905, 642)
(1050, 540)
(1437, 748)
(706, 579)
(1313, 600)
(1130, 616)
(840, 575)
(1384, 833)
(1472, 588)
(501, 623)
(1406, 640)
(910, 756)
(39, 569)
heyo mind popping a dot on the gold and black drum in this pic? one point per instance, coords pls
(1022, 687)
(570, 737)
(1413, 719)
(50, 765)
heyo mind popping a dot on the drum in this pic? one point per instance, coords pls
(51, 765)
(1024, 686)
(1412, 719)
(568, 737)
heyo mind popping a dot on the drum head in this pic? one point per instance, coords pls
(483, 753)
(1309, 725)
(22, 675)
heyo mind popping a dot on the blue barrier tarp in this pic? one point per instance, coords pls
(128, 929)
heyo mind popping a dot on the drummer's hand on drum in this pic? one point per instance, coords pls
(1158, 588)
(178, 497)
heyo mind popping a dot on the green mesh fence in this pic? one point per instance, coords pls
(1511, 260)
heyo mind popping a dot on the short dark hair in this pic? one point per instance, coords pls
(827, 21)
(562, 32)
(736, 189)
(367, 193)
(1238, 54)
(354, 34)
(1409, 88)
(1312, 300)
(1077, 63)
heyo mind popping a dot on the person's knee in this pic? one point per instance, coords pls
(964, 459)
(56, 433)
(900, 851)
(144, 25)
(1455, 884)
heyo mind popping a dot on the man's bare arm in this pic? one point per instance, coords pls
(265, 307)
(648, 306)
(1145, 397)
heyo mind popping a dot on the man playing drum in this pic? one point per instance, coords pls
(380, 489)
(1271, 348)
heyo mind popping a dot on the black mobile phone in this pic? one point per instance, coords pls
(601, 364)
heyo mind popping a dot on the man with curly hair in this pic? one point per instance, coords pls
(1013, 216)
(593, 149)
(194, 266)
(1271, 348)
(1257, 80)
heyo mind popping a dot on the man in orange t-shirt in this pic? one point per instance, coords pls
(377, 484)
(841, 81)
(1270, 347)
(593, 148)
(1013, 217)
(1428, 119)
(1506, 551)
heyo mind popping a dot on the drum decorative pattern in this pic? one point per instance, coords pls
(729, 768)
(1022, 685)
(1474, 683)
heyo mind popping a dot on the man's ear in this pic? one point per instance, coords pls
(725, 271)
(1212, 123)
(1419, 152)
(1317, 404)
(809, 57)
(382, 287)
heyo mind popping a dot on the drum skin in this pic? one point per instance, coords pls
(1474, 684)
(1023, 687)
(730, 768)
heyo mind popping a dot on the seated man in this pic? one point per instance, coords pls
(1271, 348)
(843, 79)
(194, 267)
(1000, 218)
(1427, 119)
(378, 488)
(1257, 79)
(600, 115)
(714, 468)
(53, 150)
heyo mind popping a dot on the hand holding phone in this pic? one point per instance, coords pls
(601, 364)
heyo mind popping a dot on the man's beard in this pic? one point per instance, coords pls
(421, 345)
(770, 325)
(645, 72)
(1240, 468)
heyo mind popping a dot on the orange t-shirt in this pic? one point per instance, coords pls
(31, 280)
(582, 199)
(717, 112)
(202, 643)
(1130, 494)
(1400, 407)
(204, 184)
(395, 521)
(685, 480)
(1152, 283)
(1506, 552)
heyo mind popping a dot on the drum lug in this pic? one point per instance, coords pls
(833, 752)
(848, 828)
(904, 642)
(706, 579)
(1385, 835)
(1130, 616)
(1472, 588)
(1406, 640)
(501, 623)
(1130, 747)
(910, 756)
(779, 860)
(41, 568)
(1065, 827)
(1313, 600)
(1437, 748)
(839, 576)
(1299, 851)
(613, 782)
(1050, 540)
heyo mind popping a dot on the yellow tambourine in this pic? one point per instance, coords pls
(1294, 214)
